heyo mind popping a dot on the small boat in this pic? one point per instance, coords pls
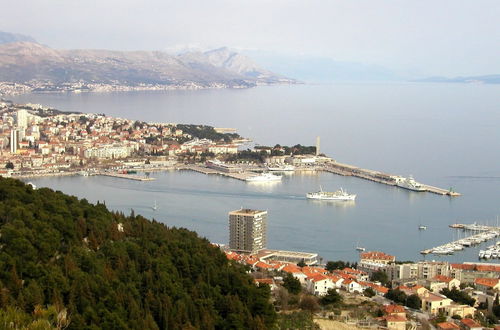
(359, 248)
(421, 227)
(155, 206)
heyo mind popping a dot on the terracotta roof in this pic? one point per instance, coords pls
(264, 280)
(470, 323)
(291, 269)
(390, 309)
(442, 278)
(491, 282)
(447, 325)
(317, 277)
(478, 267)
(376, 255)
(261, 264)
(376, 287)
(395, 318)
(434, 297)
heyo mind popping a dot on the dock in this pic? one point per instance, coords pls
(376, 176)
(243, 175)
(126, 176)
(485, 233)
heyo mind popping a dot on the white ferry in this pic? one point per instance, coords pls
(339, 195)
(410, 184)
(264, 177)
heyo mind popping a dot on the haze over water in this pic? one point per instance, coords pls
(446, 135)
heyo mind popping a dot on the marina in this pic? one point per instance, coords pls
(481, 233)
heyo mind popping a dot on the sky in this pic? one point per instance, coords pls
(427, 37)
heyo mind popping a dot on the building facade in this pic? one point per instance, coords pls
(247, 230)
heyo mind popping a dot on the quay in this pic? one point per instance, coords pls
(126, 176)
(376, 176)
(243, 175)
(485, 233)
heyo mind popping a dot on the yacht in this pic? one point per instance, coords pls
(264, 177)
(421, 227)
(410, 184)
(339, 195)
(155, 206)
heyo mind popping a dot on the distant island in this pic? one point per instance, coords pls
(27, 66)
(485, 79)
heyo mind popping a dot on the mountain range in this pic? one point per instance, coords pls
(23, 60)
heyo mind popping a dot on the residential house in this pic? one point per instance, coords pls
(439, 282)
(460, 310)
(352, 286)
(319, 284)
(395, 322)
(377, 257)
(434, 303)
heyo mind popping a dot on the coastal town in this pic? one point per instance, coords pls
(375, 292)
(380, 292)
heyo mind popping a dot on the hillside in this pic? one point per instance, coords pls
(25, 61)
(104, 270)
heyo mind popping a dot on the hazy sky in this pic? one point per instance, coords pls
(449, 37)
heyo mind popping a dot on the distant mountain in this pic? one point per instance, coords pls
(322, 69)
(486, 79)
(23, 62)
(6, 37)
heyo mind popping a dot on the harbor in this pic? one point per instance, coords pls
(480, 234)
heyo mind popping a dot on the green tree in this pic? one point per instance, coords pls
(292, 284)
(334, 265)
(9, 165)
(332, 297)
(414, 301)
(380, 276)
(396, 295)
(369, 292)
(302, 263)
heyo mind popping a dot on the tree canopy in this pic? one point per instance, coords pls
(111, 271)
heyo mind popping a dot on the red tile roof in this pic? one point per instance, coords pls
(317, 277)
(447, 325)
(470, 323)
(395, 318)
(442, 278)
(391, 309)
(490, 282)
(376, 255)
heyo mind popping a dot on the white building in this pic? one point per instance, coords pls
(319, 284)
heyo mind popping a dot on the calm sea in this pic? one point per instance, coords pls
(447, 135)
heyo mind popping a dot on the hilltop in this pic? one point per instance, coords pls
(69, 262)
(24, 61)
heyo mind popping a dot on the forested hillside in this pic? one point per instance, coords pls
(65, 260)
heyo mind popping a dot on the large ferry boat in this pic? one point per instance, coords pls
(410, 184)
(339, 195)
(264, 177)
